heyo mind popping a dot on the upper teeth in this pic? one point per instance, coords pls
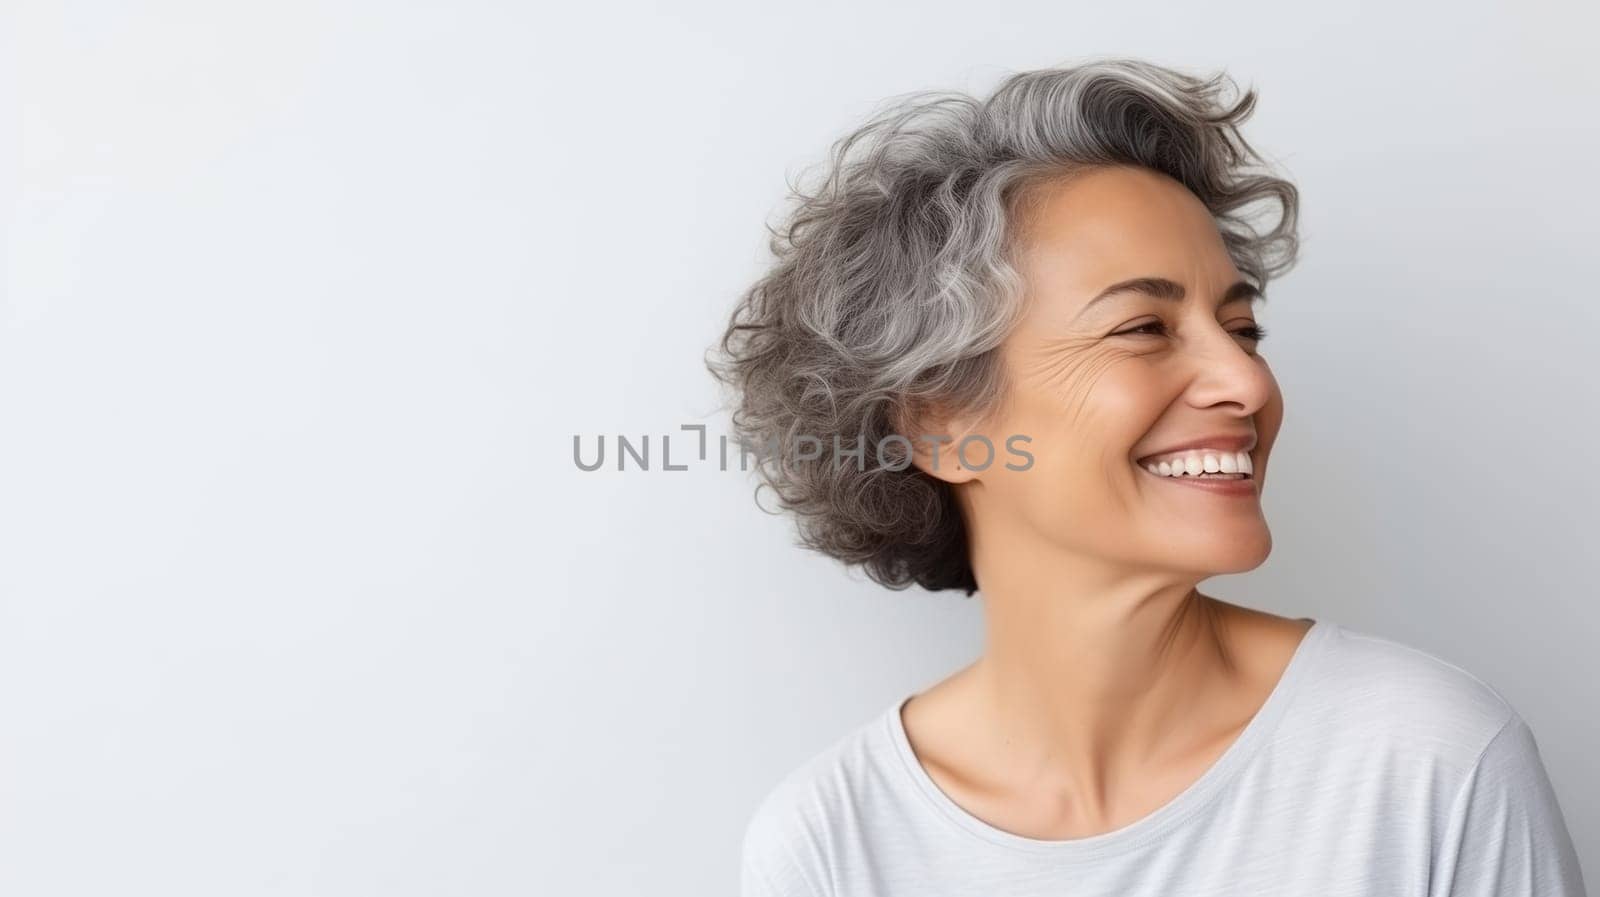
(1193, 463)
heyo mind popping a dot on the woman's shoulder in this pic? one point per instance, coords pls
(1385, 723)
(1378, 691)
(789, 835)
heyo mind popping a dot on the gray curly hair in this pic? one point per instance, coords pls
(893, 284)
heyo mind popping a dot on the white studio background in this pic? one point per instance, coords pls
(301, 592)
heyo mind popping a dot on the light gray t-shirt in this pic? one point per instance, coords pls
(1373, 768)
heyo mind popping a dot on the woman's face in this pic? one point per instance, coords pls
(1100, 380)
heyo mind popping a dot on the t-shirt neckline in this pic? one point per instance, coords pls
(1160, 821)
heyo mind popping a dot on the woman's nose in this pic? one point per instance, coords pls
(1226, 370)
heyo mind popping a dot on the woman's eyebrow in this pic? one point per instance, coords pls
(1162, 288)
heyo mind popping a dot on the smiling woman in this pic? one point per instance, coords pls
(1075, 260)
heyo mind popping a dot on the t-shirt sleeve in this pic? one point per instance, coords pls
(762, 877)
(1506, 836)
(768, 866)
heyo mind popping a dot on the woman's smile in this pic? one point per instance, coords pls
(1222, 465)
(1237, 484)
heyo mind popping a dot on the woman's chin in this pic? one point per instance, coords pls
(1218, 555)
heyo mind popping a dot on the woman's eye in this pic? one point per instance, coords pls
(1160, 328)
(1252, 332)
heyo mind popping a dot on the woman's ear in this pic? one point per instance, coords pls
(939, 440)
